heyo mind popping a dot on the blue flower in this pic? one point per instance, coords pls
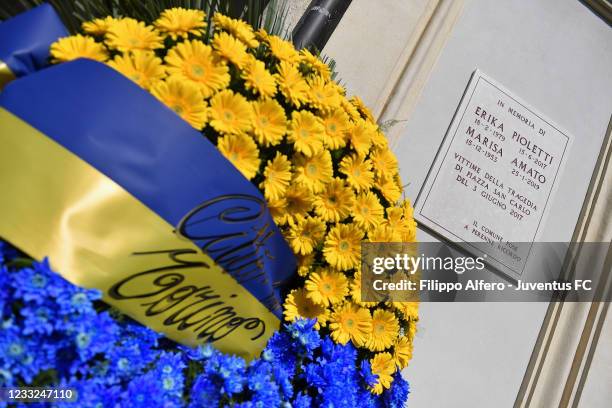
(365, 370)
(396, 396)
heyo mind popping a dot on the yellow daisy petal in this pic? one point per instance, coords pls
(142, 67)
(78, 46)
(242, 151)
(230, 113)
(128, 34)
(269, 122)
(178, 22)
(326, 287)
(277, 176)
(350, 322)
(342, 248)
(306, 132)
(184, 99)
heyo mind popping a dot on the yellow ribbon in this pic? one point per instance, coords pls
(6, 75)
(97, 235)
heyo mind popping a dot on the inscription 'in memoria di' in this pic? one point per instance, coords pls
(494, 175)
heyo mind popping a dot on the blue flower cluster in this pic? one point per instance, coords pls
(56, 334)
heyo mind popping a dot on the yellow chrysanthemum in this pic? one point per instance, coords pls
(358, 172)
(231, 49)
(298, 305)
(128, 34)
(291, 84)
(384, 162)
(336, 125)
(258, 79)
(383, 366)
(362, 108)
(269, 122)
(389, 189)
(384, 330)
(178, 22)
(402, 352)
(306, 234)
(196, 62)
(379, 139)
(305, 263)
(368, 212)
(230, 113)
(242, 151)
(98, 26)
(409, 310)
(350, 322)
(278, 210)
(277, 176)
(184, 99)
(342, 248)
(319, 67)
(306, 132)
(326, 287)
(282, 50)
(142, 67)
(350, 109)
(237, 28)
(321, 95)
(356, 295)
(297, 203)
(77, 46)
(314, 172)
(384, 233)
(360, 136)
(334, 204)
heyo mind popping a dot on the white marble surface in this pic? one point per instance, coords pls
(557, 56)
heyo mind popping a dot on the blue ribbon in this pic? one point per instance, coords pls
(128, 135)
(26, 38)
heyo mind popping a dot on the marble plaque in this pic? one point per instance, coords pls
(494, 176)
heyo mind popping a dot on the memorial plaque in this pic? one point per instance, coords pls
(494, 176)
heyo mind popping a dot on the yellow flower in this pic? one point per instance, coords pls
(306, 234)
(278, 211)
(306, 132)
(230, 113)
(184, 99)
(326, 288)
(231, 49)
(258, 79)
(334, 204)
(368, 212)
(383, 366)
(389, 189)
(304, 263)
(283, 50)
(322, 95)
(336, 125)
(142, 67)
(355, 289)
(384, 330)
(298, 305)
(98, 26)
(360, 136)
(409, 310)
(357, 171)
(277, 176)
(196, 62)
(384, 233)
(402, 352)
(77, 46)
(178, 22)
(313, 62)
(237, 28)
(269, 122)
(350, 109)
(364, 110)
(242, 151)
(297, 203)
(379, 139)
(384, 162)
(315, 171)
(350, 322)
(128, 34)
(342, 248)
(291, 84)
